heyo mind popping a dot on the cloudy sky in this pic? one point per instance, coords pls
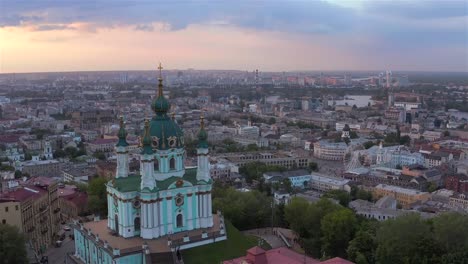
(273, 35)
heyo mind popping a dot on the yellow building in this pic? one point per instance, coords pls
(33, 208)
(404, 196)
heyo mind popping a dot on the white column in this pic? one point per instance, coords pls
(143, 216)
(205, 211)
(210, 211)
(161, 222)
(190, 213)
(169, 216)
(155, 215)
(197, 215)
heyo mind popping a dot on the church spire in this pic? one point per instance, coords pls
(122, 134)
(160, 104)
(202, 134)
(146, 142)
(160, 79)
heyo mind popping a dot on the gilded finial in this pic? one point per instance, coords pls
(121, 121)
(202, 121)
(160, 86)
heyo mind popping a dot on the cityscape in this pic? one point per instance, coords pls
(211, 132)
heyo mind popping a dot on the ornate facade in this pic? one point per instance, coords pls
(165, 198)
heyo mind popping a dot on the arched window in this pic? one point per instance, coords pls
(180, 222)
(136, 222)
(156, 165)
(172, 164)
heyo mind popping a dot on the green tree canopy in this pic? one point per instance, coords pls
(97, 196)
(12, 245)
(399, 240)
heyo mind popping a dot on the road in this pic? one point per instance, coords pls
(58, 255)
(265, 234)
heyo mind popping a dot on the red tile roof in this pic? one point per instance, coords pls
(103, 141)
(337, 261)
(23, 194)
(9, 138)
(281, 255)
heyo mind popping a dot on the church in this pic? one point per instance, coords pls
(163, 208)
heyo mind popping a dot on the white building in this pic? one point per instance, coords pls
(326, 183)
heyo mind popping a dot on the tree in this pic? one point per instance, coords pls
(272, 120)
(18, 174)
(358, 193)
(368, 144)
(12, 245)
(59, 154)
(97, 196)
(362, 248)
(343, 197)
(287, 185)
(99, 155)
(451, 232)
(398, 239)
(353, 134)
(245, 210)
(405, 140)
(313, 166)
(71, 152)
(337, 230)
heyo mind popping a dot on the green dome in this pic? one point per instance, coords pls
(160, 105)
(202, 135)
(165, 133)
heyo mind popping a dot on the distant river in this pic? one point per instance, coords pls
(358, 100)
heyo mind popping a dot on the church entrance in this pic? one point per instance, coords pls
(136, 222)
(180, 220)
(116, 222)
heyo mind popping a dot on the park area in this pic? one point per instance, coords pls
(235, 246)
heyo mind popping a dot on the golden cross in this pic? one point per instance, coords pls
(160, 69)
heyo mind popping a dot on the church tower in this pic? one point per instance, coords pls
(146, 162)
(203, 172)
(122, 152)
(48, 151)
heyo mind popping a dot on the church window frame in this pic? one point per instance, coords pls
(156, 164)
(155, 142)
(172, 163)
(179, 200)
(137, 224)
(136, 203)
(180, 220)
(172, 142)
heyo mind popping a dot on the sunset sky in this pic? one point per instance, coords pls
(274, 35)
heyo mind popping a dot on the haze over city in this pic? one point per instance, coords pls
(270, 35)
(234, 131)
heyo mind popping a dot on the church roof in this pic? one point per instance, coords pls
(132, 182)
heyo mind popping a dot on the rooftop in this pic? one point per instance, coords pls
(328, 179)
(397, 189)
(159, 245)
